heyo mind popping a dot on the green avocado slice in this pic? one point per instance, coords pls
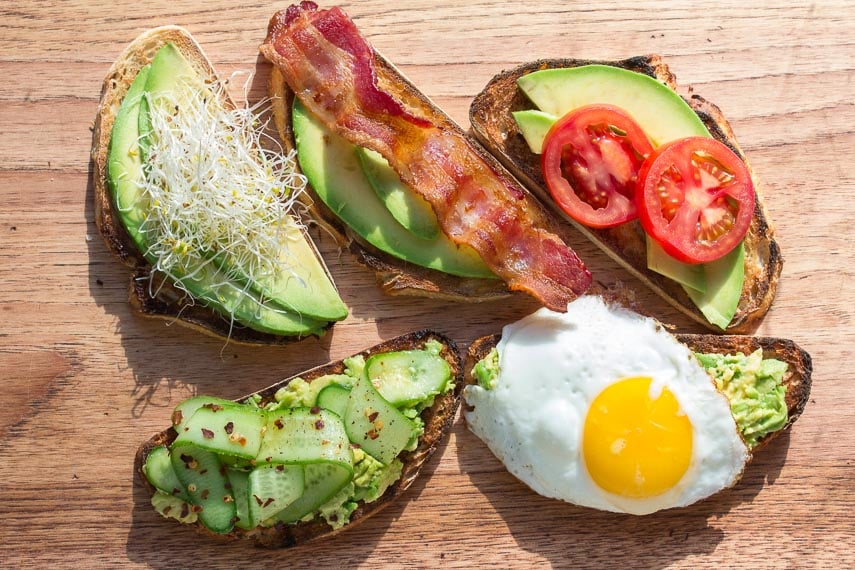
(207, 283)
(409, 209)
(330, 164)
(300, 283)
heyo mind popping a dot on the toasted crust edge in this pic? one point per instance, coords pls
(438, 421)
(494, 127)
(394, 276)
(168, 303)
(797, 378)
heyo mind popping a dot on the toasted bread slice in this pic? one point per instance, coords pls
(797, 379)
(494, 126)
(158, 298)
(395, 276)
(438, 420)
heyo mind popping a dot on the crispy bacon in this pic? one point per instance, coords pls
(331, 68)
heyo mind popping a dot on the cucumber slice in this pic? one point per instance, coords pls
(375, 424)
(305, 435)
(239, 480)
(407, 377)
(159, 472)
(204, 478)
(322, 481)
(334, 398)
(185, 410)
(271, 489)
(226, 429)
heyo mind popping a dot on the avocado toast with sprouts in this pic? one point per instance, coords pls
(187, 196)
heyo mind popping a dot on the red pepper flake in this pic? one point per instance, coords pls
(257, 500)
(204, 494)
(319, 424)
(213, 407)
(203, 471)
(176, 491)
(373, 416)
(223, 471)
(355, 446)
(280, 468)
(267, 502)
(315, 410)
(207, 434)
(229, 427)
(167, 509)
(333, 517)
(268, 459)
(372, 434)
(177, 416)
(278, 423)
(197, 509)
(185, 510)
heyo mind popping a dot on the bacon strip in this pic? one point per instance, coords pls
(331, 69)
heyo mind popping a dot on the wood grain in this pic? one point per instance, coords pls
(86, 382)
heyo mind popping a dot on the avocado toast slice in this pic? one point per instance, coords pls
(437, 419)
(494, 126)
(211, 299)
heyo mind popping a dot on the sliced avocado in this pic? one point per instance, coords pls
(659, 110)
(300, 284)
(687, 274)
(411, 210)
(534, 125)
(724, 279)
(208, 284)
(331, 166)
(124, 164)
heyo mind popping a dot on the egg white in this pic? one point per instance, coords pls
(552, 366)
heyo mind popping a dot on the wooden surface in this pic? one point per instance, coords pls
(85, 382)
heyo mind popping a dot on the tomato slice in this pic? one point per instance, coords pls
(695, 198)
(591, 160)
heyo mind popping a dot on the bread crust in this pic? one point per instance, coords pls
(395, 276)
(495, 128)
(797, 379)
(438, 420)
(151, 295)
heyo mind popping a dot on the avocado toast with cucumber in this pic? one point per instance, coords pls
(515, 112)
(187, 198)
(310, 455)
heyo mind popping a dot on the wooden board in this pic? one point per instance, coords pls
(85, 382)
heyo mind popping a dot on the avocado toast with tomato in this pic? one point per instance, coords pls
(732, 293)
(310, 455)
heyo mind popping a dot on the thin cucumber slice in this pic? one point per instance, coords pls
(207, 485)
(185, 410)
(239, 480)
(334, 398)
(226, 429)
(305, 435)
(409, 376)
(322, 481)
(271, 489)
(375, 424)
(159, 472)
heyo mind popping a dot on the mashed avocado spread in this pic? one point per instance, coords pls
(752, 384)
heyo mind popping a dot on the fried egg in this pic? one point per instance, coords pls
(603, 408)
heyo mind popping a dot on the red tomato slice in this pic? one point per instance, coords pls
(591, 159)
(695, 198)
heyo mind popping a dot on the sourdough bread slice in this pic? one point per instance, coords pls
(494, 126)
(437, 419)
(152, 295)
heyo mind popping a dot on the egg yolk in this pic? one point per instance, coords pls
(634, 445)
